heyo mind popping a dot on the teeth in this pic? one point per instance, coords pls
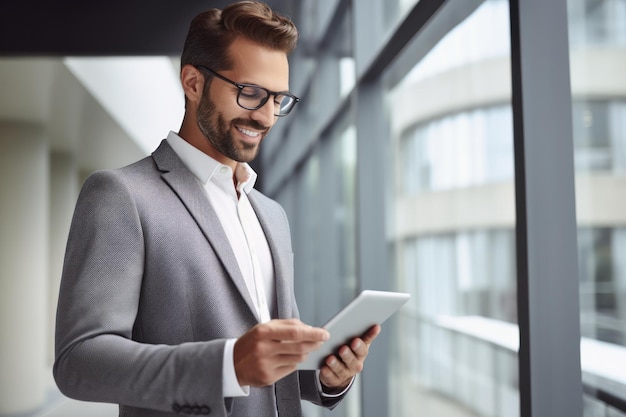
(248, 132)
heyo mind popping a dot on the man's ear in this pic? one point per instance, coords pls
(193, 82)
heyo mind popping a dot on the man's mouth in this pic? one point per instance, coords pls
(248, 132)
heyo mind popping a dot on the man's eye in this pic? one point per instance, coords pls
(251, 93)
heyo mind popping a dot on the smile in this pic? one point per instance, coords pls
(248, 132)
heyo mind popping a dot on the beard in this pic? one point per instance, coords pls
(213, 126)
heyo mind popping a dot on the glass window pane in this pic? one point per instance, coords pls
(454, 347)
(598, 71)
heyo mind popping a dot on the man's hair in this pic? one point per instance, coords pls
(211, 33)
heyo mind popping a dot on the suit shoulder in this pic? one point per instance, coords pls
(128, 174)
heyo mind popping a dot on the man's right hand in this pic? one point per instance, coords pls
(272, 350)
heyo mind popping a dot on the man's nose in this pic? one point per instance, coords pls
(265, 114)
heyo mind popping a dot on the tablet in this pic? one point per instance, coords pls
(367, 309)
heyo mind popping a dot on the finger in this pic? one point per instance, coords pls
(266, 341)
(359, 348)
(336, 373)
(371, 334)
(351, 362)
(296, 332)
(331, 372)
(294, 348)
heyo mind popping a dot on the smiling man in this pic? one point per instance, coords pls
(177, 290)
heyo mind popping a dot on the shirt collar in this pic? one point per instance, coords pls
(203, 167)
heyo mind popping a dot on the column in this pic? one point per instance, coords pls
(23, 267)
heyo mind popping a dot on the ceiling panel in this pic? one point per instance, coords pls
(97, 28)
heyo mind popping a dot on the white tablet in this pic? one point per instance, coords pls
(367, 309)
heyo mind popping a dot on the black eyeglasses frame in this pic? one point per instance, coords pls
(241, 86)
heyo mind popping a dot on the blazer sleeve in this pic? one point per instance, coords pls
(310, 392)
(96, 358)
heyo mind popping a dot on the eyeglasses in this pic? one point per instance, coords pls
(253, 97)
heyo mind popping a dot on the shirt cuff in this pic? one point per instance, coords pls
(333, 395)
(231, 387)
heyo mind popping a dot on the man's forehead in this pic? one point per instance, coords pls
(258, 64)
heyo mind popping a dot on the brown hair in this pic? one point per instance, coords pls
(211, 33)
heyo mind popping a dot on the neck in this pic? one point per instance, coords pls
(190, 132)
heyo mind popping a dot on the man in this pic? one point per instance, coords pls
(177, 289)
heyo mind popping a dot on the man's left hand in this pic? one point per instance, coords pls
(338, 371)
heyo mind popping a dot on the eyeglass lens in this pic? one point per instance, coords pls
(251, 97)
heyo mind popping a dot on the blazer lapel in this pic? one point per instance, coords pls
(190, 192)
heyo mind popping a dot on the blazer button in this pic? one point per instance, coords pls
(186, 409)
(205, 410)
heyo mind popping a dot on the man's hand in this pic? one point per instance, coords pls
(340, 369)
(272, 350)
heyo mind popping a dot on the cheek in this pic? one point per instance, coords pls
(229, 112)
(225, 103)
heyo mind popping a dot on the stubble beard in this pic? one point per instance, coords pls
(213, 126)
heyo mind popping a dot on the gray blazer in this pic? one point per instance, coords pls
(150, 291)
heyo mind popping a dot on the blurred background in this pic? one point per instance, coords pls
(428, 155)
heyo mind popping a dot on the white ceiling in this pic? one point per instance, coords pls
(104, 111)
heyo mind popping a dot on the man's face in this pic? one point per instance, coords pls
(236, 133)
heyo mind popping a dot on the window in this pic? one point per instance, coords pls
(453, 235)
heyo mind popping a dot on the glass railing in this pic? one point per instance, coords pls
(492, 390)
